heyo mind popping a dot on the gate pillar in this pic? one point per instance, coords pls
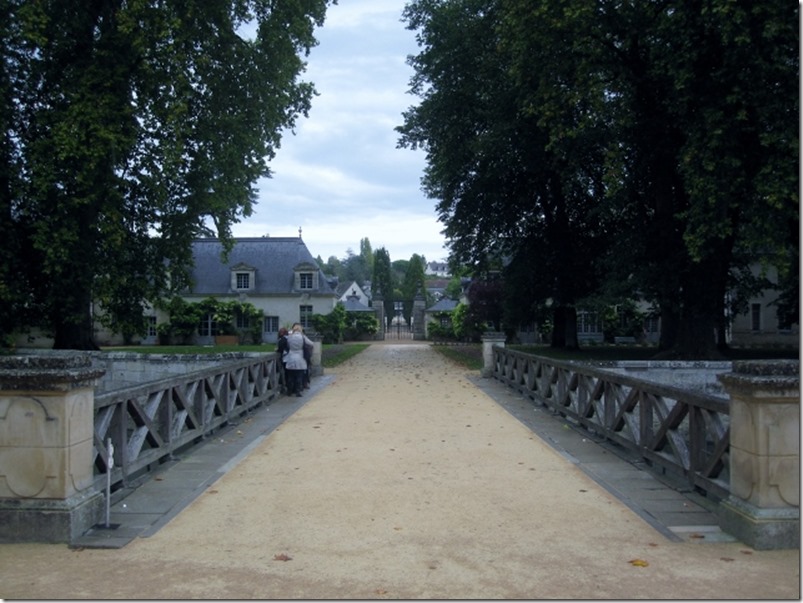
(378, 303)
(763, 509)
(489, 340)
(419, 306)
(316, 367)
(47, 448)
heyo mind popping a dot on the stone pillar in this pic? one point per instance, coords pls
(378, 304)
(419, 306)
(489, 340)
(763, 509)
(316, 370)
(46, 448)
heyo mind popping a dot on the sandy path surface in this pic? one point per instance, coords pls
(402, 480)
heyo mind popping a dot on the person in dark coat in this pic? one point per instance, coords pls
(281, 351)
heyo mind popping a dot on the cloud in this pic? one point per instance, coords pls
(341, 177)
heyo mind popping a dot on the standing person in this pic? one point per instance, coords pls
(281, 351)
(296, 365)
(308, 347)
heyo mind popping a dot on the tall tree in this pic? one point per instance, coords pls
(414, 284)
(131, 128)
(367, 255)
(503, 187)
(577, 135)
(384, 282)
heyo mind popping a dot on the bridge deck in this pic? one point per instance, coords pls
(399, 475)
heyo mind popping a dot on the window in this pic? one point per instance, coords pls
(271, 324)
(784, 323)
(651, 324)
(305, 314)
(755, 316)
(151, 326)
(243, 280)
(243, 277)
(243, 322)
(208, 326)
(588, 322)
(305, 280)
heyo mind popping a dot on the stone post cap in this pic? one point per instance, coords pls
(493, 335)
(56, 372)
(766, 375)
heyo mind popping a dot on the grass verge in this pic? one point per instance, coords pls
(468, 355)
(334, 354)
(331, 355)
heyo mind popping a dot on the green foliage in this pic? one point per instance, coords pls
(183, 322)
(455, 287)
(185, 317)
(485, 297)
(437, 330)
(414, 284)
(384, 282)
(613, 148)
(331, 327)
(465, 325)
(127, 129)
(360, 325)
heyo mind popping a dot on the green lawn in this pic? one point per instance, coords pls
(468, 355)
(331, 355)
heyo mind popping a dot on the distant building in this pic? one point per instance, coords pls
(352, 289)
(437, 269)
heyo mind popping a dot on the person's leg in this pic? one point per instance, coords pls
(299, 382)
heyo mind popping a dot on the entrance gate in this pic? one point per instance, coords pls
(399, 328)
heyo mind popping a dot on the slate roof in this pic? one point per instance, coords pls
(443, 305)
(273, 258)
(352, 304)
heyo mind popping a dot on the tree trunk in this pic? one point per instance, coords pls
(564, 331)
(72, 334)
(71, 312)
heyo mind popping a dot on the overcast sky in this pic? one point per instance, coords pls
(340, 177)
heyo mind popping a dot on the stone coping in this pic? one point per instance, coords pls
(48, 372)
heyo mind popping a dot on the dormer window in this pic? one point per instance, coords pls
(243, 280)
(306, 277)
(243, 277)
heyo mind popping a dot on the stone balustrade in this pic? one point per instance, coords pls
(763, 509)
(46, 447)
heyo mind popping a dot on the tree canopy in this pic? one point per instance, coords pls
(637, 149)
(130, 128)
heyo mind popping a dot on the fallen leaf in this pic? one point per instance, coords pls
(638, 563)
(695, 535)
(745, 552)
(652, 544)
(212, 491)
(727, 559)
(282, 557)
(581, 490)
(381, 591)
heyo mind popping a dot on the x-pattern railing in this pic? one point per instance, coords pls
(683, 432)
(148, 423)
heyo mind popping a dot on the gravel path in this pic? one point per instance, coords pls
(402, 480)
